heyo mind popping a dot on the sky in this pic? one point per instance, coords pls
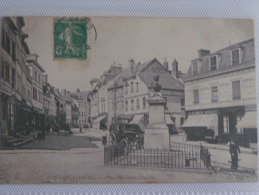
(141, 39)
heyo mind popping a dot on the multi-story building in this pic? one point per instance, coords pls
(60, 103)
(220, 92)
(36, 71)
(13, 79)
(99, 97)
(68, 106)
(133, 87)
(84, 107)
(49, 102)
(75, 112)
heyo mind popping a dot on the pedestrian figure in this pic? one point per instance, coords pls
(80, 128)
(234, 150)
(104, 138)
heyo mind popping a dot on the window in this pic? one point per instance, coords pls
(196, 96)
(126, 105)
(34, 95)
(195, 67)
(214, 94)
(226, 124)
(137, 103)
(144, 102)
(13, 78)
(13, 51)
(213, 63)
(3, 38)
(236, 90)
(40, 96)
(126, 90)
(182, 101)
(131, 89)
(235, 57)
(35, 75)
(136, 86)
(39, 78)
(2, 69)
(28, 94)
(182, 120)
(7, 72)
(7, 46)
(132, 104)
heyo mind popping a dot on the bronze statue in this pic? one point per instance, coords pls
(155, 84)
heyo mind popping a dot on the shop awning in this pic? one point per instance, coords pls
(126, 117)
(97, 121)
(168, 119)
(209, 121)
(248, 121)
(137, 119)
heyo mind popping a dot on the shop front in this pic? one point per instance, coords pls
(201, 124)
(100, 122)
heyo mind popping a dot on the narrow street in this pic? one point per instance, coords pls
(79, 159)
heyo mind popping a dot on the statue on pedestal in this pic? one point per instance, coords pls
(155, 84)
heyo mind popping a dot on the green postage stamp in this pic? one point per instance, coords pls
(70, 38)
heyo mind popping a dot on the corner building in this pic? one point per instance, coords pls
(220, 94)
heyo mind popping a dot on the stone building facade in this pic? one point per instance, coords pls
(220, 92)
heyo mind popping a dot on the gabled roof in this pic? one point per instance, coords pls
(146, 74)
(166, 80)
(83, 94)
(224, 57)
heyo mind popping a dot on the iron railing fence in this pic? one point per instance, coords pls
(179, 156)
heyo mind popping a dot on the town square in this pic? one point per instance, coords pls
(127, 100)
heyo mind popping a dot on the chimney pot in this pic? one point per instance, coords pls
(175, 68)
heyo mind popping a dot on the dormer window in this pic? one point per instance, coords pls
(213, 63)
(195, 67)
(235, 56)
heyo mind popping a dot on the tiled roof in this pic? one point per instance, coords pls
(166, 80)
(224, 54)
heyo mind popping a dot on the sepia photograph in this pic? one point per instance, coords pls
(110, 100)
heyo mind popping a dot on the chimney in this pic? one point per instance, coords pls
(132, 64)
(165, 64)
(203, 52)
(175, 68)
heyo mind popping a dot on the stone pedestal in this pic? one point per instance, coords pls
(157, 133)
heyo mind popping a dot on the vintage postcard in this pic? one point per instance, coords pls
(127, 100)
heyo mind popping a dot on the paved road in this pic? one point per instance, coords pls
(85, 165)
